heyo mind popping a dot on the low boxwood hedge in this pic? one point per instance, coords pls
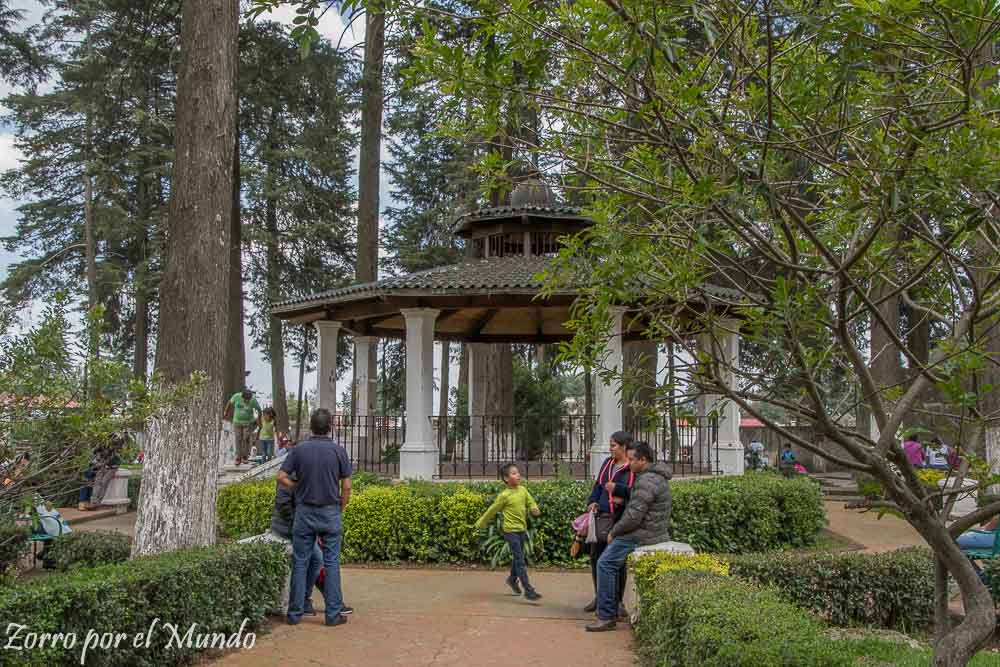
(893, 590)
(89, 549)
(709, 620)
(704, 619)
(432, 522)
(215, 588)
(753, 512)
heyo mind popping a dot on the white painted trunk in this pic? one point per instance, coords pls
(180, 476)
(991, 441)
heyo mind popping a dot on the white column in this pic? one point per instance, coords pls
(608, 403)
(418, 457)
(326, 371)
(724, 344)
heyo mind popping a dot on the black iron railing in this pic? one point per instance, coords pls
(688, 444)
(542, 446)
(372, 441)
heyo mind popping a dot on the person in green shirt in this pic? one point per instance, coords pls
(266, 436)
(515, 502)
(244, 411)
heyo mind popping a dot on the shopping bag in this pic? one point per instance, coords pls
(580, 524)
(591, 530)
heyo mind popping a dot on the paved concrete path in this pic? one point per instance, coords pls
(877, 535)
(428, 617)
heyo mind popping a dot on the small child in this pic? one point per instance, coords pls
(514, 501)
(267, 433)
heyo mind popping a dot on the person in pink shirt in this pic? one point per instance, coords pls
(914, 450)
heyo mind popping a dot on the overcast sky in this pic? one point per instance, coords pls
(332, 27)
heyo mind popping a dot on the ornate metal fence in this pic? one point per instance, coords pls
(688, 444)
(476, 446)
(372, 441)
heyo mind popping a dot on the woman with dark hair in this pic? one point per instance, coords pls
(607, 500)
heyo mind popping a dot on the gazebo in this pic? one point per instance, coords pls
(493, 296)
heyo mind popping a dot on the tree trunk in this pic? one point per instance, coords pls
(463, 376)
(504, 378)
(235, 349)
(445, 379)
(640, 362)
(671, 401)
(370, 164)
(275, 339)
(302, 375)
(140, 355)
(180, 479)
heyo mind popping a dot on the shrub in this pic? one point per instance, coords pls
(648, 568)
(708, 620)
(432, 522)
(755, 512)
(891, 590)
(89, 549)
(245, 508)
(217, 588)
(13, 539)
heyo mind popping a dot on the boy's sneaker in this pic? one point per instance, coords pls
(514, 586)
(339, 620)
(532, 595)
(345, 610)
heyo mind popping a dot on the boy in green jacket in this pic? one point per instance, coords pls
(514, 501)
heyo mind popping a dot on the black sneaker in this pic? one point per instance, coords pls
(532, 595)
(514, 586)
(345, 610)
(340, 620)
(622, 613)
(309, 611)
(592, 607)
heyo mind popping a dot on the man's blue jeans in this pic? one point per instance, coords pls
(326, 524)
(608, 566)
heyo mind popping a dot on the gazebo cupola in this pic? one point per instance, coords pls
(529, 227)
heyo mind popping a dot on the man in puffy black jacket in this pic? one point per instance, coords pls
(646, 520)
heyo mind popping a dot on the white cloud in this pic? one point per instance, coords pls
(331, 25)
(10, 155)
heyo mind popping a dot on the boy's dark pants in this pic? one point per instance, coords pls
(518, 568)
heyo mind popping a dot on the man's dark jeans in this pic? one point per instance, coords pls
(325, 523)
(608, 566)
(596, 549)
(518, 567)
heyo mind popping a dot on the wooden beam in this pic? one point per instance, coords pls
(481, 321)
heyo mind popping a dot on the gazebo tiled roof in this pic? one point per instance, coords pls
(493, 274)
(496, 274)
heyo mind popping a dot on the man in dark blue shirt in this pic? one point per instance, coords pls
(322, 483)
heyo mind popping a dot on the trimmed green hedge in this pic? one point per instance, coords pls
(90, 549)
(709, 620)
(892, 590)
(700, 619)
(217, 588)
(754, 512)
(432, 522)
